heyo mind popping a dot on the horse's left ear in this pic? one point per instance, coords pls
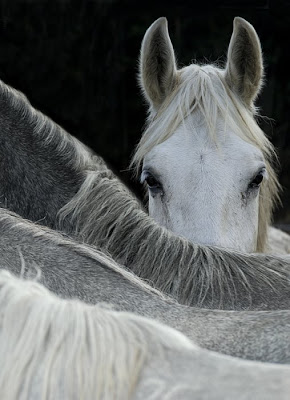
(244, 69)
(157, 68)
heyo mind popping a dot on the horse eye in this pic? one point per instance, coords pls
(154, 185)
(151, 181)
(256, 182)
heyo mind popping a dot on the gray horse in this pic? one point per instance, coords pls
(49, 177)
(74, 270)
(58, 349)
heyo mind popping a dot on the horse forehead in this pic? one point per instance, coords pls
(186, 150)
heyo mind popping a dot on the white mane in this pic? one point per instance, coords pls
(64, 349)
(204, 88)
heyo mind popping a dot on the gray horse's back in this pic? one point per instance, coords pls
(66, 350)
(204, 375)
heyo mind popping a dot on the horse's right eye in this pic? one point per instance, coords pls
(153, 184)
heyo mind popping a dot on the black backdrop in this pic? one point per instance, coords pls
(76, 61)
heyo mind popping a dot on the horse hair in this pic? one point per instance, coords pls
(9, 221)
(50, 343)
(102, 212)
(193, 274)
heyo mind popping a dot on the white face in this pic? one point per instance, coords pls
(204, 191)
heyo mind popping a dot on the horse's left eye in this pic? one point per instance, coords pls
(256, 182)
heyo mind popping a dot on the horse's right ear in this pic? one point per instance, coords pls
(157, 69)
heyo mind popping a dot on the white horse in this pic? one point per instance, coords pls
(207, 164)
(57, 349)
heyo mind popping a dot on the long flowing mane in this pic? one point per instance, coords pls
(54, 348)
(204, 88)
(104, 213)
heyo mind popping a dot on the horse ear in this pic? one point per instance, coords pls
(157, 68)
(244, 69)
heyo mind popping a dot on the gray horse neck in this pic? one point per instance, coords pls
(106, 214)
(68, 268)
(37, 173)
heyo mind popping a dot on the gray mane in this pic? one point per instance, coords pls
(104, 213)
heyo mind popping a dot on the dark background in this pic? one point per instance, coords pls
(76, 61)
